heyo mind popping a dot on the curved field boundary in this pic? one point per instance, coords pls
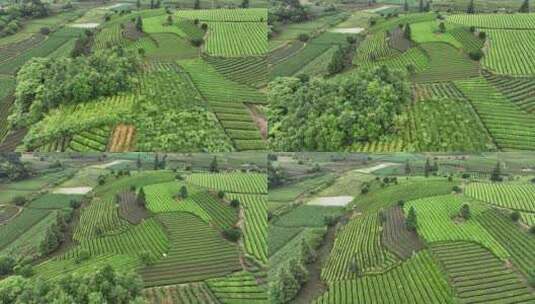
(255, 225)
(512, 196)
(417, 281)
(236, 182)
(520, 90)
(196, 252)
(477, 276)
(240, 287)
(518, 243)
(225, 15)
(495, 21)
(358, 242)
(438, 221)
(511, 128)
(193, 293)
(510, 52)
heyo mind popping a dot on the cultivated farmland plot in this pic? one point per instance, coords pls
(183, 241)
(434, 49)
(406, 238)
(170, 105)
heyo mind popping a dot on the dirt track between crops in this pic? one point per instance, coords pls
(315, 286)
(259, 120)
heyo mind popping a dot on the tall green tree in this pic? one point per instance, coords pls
(245, 4)
(421, 6)
(496, 175)
(139, 24)
(141, 199)
(407, 168)
(471, 9)
(197, 4)
(465, 212)
(406, 6)
(213, 165)
(524, 8)
(183, 192)
(427, 168)
(411, 222)
(407, 33)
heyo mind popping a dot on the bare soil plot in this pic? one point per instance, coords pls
(331, 201)
(375, 168)
(349, 30)
(396, 237)
(72, 190)
(129, 209)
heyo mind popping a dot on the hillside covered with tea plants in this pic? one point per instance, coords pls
(159, 76)
(133, 228)
(379, 76)
(401, 228)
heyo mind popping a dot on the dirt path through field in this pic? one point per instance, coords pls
(259, 120)
(315, 286)
(19, 210)
(376, 167)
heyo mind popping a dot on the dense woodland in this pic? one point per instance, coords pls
(330, 114)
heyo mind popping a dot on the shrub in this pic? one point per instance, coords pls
(74, 203)
(145, 258)
(532, 229)
(401, 203)
(19, 200)
(411, 222)
(234, 203)
(221, 194)
(6, 265)
(465, 175)
(204, 27)
(457, 189)
(44, 30)
(303, 37)
(232, 234)
(476, 55)
(465, 211)
(183, 192)
(197, 41)
(23, 270)
(472, 29)
(330, 220)
(82, 256)
(482, 35)
(515, 216)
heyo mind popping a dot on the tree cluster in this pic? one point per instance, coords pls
(12, 16)
(430, 168)
(524, 8)
(12, 168)
(104, 285)
(276, 176)
(496, 175)
(411, 222)
(288, 11)
(54, 236)
(290, 279)
(46, 83)
(333, 114)
(342, 57)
